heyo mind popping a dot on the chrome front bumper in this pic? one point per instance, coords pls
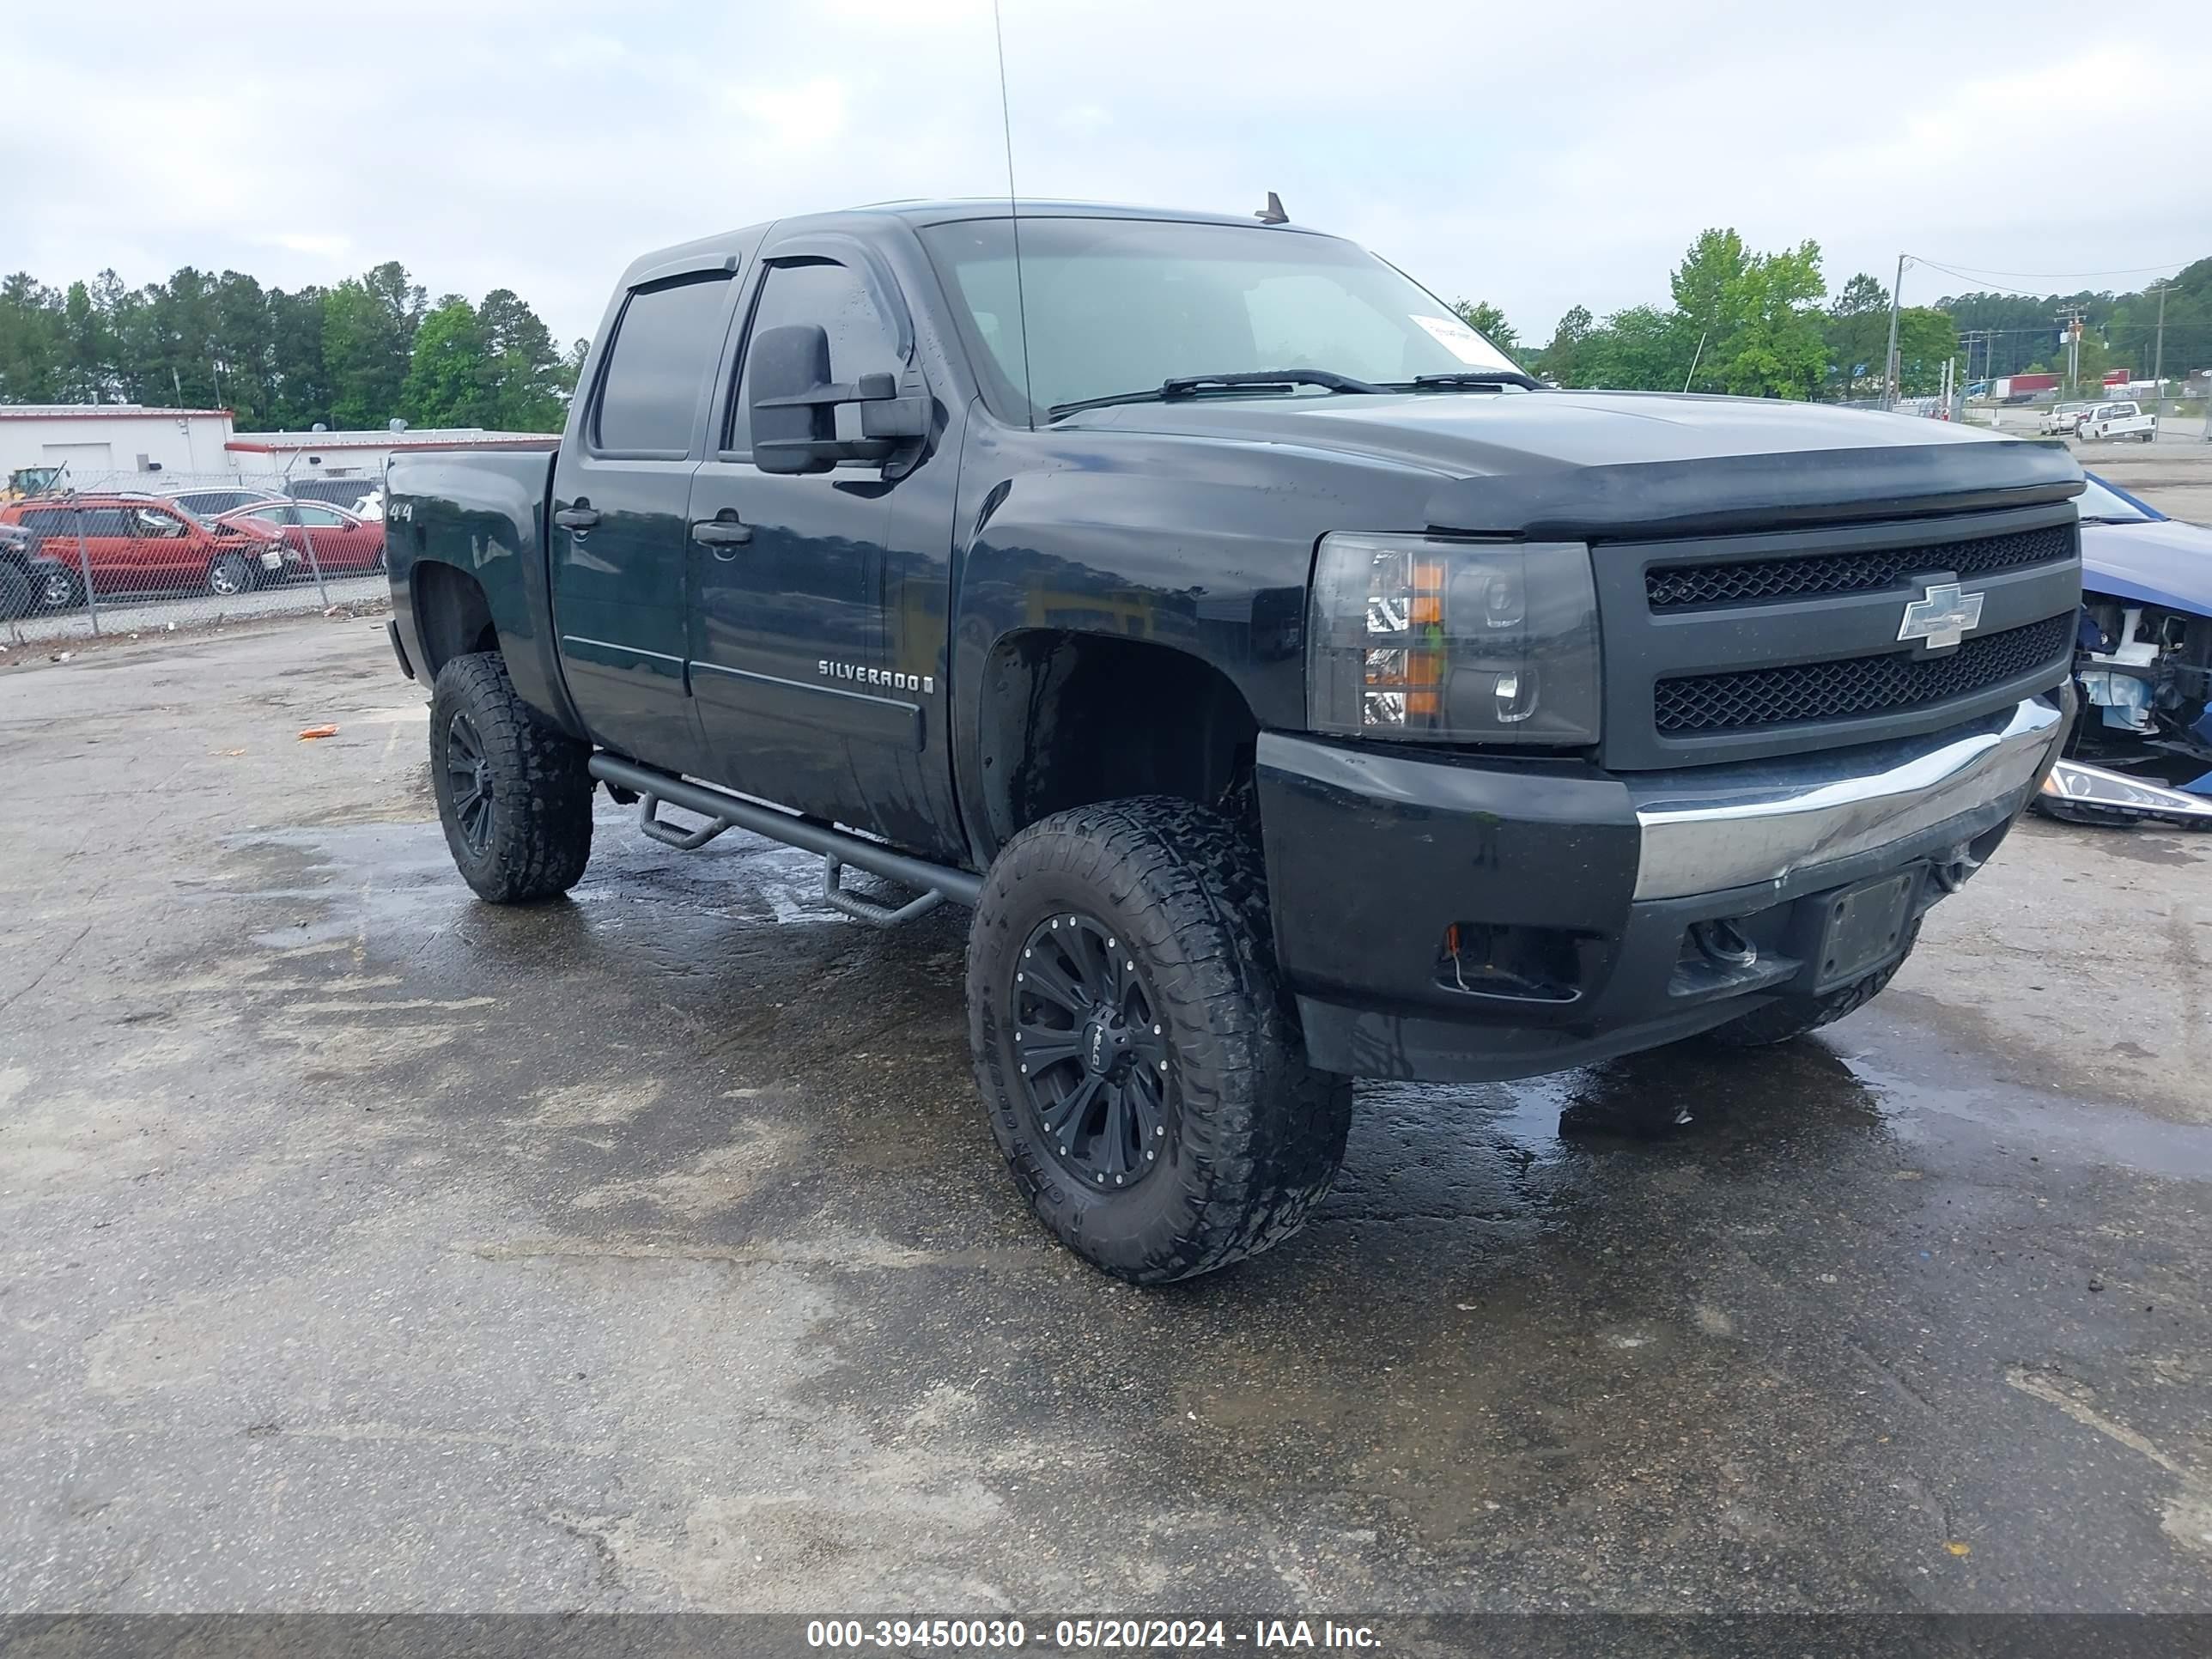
(1713, 828)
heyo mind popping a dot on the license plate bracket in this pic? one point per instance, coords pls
(1862, 928)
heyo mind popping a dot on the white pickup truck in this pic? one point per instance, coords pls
(2060, 418)
(2117, 420)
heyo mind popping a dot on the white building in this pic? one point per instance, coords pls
(97, 440)
(257, 457)
(105, 446)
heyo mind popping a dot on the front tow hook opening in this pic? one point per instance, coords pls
(1723, 943)
(1952, 874)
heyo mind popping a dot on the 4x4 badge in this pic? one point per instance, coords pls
(1942, 617)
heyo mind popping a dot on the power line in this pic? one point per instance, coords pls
(2053, 276)
(1969, 276)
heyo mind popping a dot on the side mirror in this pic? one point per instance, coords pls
(793, 406)
(789, 428)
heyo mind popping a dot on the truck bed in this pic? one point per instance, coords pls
(484, 511)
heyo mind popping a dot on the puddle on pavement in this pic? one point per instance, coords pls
(728, 925)
(1933, 1097)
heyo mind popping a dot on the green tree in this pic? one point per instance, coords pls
(1708, 292)
(30, 340)
(1563, 361)
(343, 357)
(1775, 347)
(1488, 320)
(87, 362)
(365, 347)
(244, 379)
(402, 298)
(300, 387)
(1927, 338)
(1857, 334)
(529, 381)
(450, 379)
(1644, 348)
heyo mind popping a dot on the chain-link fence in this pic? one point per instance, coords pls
(133, 552)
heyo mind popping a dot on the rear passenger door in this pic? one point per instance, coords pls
(620, 535)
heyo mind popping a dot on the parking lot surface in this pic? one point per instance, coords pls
(362, 1246)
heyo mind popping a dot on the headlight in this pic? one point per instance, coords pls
(1410, 637)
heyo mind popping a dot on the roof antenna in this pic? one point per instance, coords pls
(1013, 211)
(1272, 214)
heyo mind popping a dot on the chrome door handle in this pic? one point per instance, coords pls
(725, 535)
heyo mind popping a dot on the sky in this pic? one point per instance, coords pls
(1537, 155)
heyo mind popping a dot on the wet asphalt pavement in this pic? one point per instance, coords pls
(362, 1246)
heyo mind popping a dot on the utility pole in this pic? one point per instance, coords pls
(2158, 356)
(1987, 339)
(1889, 375)
(2069, 321)
(2158, 365)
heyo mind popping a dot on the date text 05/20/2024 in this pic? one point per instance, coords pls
(1009, 1635)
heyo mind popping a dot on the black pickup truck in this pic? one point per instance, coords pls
(1293, 689)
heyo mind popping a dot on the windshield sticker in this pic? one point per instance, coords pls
(1463, 342)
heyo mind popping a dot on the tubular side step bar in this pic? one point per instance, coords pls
(935, 882)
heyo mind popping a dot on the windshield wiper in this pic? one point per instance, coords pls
(1465, 377)
(1189, 385)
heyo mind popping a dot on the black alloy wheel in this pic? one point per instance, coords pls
(468, 773)
(1093, 1064)
(1138, 1052)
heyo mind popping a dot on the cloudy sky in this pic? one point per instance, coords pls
(1537, 154)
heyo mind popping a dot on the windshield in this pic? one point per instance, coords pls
(1120, 305)
(2101, 505)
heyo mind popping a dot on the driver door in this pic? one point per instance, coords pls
(797, 701)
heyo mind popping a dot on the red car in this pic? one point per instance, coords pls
(143, 545)
(344, 544)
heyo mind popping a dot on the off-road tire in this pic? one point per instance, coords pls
(539, 833)
(18, 597)
(1253, 1134)
(1791, 1018)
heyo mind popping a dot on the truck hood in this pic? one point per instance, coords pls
(1592, 464)
(2163, 562)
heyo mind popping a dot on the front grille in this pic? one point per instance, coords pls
(1688, 586)
(1892, 683)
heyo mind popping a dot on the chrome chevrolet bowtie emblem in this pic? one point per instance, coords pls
(1942, 617)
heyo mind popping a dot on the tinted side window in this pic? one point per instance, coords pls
(833, 296)
(47, 520)
(664, 344)
(105, 521)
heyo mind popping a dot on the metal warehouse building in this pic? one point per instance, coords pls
(92, 439)
(257, 457)
(96, 441)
